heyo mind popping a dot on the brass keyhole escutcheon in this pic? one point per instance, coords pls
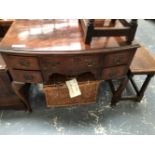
(54, 64)
(113, 73)
(28, 77)
(117, 60)
(24, 63)
(89, 63)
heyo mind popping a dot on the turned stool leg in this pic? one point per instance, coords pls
(113, 21)
(133, 28)
(143, 88)
(89, 31)
(139, 92)
(117, 94)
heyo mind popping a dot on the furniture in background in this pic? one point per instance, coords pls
(143, 63)
(4, 26)
(116, 27)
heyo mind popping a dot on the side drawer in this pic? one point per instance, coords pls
(116, 59)
(22, 62)
(114, 72)
(26, 76)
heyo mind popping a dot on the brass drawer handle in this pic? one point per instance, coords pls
(28, 77)
(89, 63)
(54, 64)
(118, 60)
(113, 73)
(24, 63)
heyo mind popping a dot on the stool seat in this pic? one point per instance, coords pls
(143, 62)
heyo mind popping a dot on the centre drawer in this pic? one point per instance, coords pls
(22, 62)
(70, 62)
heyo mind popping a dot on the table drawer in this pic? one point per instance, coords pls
(26, 76)
(22, 62)
(70, 63)
(116, 59)
(114, 72)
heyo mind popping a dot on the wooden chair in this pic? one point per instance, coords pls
(95, 28)
(143, 64)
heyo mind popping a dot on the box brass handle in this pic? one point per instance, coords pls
(90, 63)
(54, 64)
(24, 63)
(117, 60)
(113, 73)
(28, 77)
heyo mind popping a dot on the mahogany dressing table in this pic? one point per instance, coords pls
(34, 50)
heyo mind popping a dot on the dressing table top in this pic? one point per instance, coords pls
(55, 37)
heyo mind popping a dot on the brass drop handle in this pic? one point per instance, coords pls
(89, 63)
(54, 64)
(24, 63)
(28, 77)
(113, 73)
(117, 60)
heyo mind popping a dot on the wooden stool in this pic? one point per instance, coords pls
(8, 99)
(143, 64)
(4, 26)
(95, 28)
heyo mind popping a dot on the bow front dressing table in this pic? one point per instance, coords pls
(34, 50)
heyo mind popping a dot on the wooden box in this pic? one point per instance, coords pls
(58, 95)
